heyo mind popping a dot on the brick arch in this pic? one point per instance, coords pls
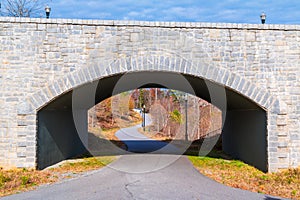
(154, 62)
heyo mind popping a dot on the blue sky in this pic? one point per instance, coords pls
(227, 11)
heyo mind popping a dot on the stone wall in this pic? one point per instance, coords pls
(41, 59)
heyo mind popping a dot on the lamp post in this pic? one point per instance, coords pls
(263, 17)
(48, 10)
(144, 117)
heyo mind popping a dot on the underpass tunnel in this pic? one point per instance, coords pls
(63, 125)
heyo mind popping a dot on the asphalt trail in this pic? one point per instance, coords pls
(140, 176)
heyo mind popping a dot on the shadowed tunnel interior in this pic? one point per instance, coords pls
(63, 125)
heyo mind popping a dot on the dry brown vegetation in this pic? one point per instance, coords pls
(17, 180)
(112, 114)
(240, 175)
(109, 116)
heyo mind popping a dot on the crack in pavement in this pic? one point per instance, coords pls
(127, 189)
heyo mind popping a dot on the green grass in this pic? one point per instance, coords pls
(85, 164)
(3, 179)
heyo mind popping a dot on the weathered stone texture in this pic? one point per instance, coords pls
(41, 59)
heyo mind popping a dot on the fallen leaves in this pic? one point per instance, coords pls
(240, 175)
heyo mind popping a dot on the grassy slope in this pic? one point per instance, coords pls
(240, 175)
(16, 180)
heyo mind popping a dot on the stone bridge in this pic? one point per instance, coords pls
(53, 70)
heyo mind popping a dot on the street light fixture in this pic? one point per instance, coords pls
(263, 17)
(48, 10)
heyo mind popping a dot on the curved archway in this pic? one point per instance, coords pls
(157, 63)
(246, 103)
(244, 133)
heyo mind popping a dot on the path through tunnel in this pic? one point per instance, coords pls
(63, 128)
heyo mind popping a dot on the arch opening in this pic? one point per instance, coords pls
(60, 136)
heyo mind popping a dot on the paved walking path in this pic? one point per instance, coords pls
(139, 143)
(141, 177)
(179, 180)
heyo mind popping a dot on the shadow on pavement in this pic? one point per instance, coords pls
(273, 198)
(102, 147)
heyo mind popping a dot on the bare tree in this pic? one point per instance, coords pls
(22, 8)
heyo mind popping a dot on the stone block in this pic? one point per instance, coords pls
(24, 108)
(21, 155)
(22, 144)
(281, 120)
